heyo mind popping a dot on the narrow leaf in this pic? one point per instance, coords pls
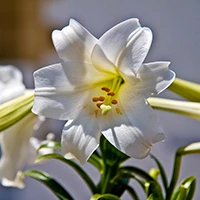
(72, 164)
(96, 162)
(162, 171)
(131, 192)
(105, 196)
(49, 182)
(136, 171)
(154, 191)
(126, 174)
(51, 144)
(187, 186)
(185, 150)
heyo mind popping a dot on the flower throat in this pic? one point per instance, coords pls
(108, 99)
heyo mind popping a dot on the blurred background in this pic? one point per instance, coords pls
(25, 41)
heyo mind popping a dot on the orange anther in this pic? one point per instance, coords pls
(111, 94)
(105, 89)
(101, 98)
(95, 99)
(118, 111)
(114, 101)
(99, 104)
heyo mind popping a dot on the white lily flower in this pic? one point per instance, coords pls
(101, 87)
(11, 85)
(16, 142)
(16, 150)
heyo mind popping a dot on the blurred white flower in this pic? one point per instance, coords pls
(101, 87)
(11, 84)
(17, 150)
(16, 141)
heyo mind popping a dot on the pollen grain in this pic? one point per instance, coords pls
(114, 101)
(106, 89)
(101, 98)
(95, 99)
(111, 94)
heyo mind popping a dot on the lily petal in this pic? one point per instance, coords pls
(154, 78)
(136, 129)
(15, 145)
(80, 138)
(133, 55)
(62, 89)
(101, 62)
(11, 85)
(116, 39)
(73, 42)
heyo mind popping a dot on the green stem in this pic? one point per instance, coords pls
(176, 170)
(106, 177)
(96, 161)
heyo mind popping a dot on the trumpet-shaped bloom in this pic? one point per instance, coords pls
(101, 87)
(17, 150)
(17, 144)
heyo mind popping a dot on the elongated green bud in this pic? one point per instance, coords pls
(186, 89)
(187, 108)
(193, 148)
(15, 109)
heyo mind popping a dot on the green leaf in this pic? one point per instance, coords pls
(119, 186)
(136, 171)
(111, 155)
(51, 144)
(126, 174)
(96, 162)
(151, 184)
(185, 150)
(154, 191)
(186, 89)
(105, 196)
(182, 193)
(186, 188)
(162, 171)
(49, 182)
(72, 164)
(132, 192)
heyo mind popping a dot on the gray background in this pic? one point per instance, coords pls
(176, 30)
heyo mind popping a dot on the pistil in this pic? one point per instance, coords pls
(105, 103)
